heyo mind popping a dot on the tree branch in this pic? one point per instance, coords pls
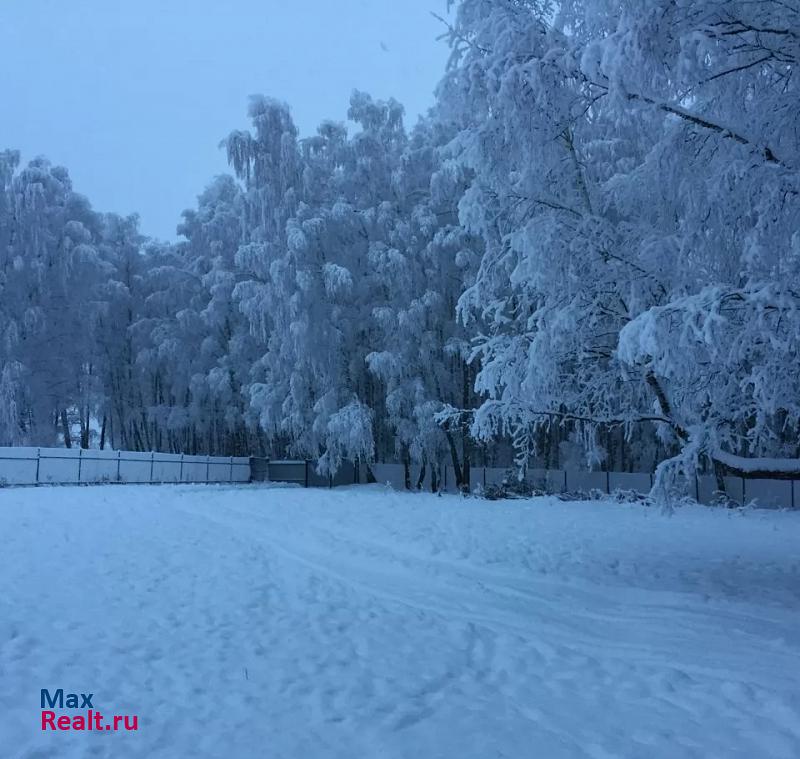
(701, 121)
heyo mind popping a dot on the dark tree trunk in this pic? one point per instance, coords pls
(719, 473)
(65, 429)
(454, 456)
(422, 472)
(85, 428)
(466, 446)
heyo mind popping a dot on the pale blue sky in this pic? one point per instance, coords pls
(133, 96)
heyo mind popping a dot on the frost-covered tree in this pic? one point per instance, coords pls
(722, 351)
(422, 355)
(123, 296)
(636, 190)
(50, 273)
(218, 408)
(178, 349)
(310, 290)
(12, 429)
(355, 262)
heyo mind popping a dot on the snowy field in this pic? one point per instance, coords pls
(357, 623)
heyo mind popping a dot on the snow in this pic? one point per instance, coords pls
(743, 464)
(253, 621)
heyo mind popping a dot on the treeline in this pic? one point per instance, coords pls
(587, 252)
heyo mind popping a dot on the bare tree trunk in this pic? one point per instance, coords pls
(422, 472)
(719, 477)
(144, 428)
(103, 433)
(454, 456)
(65, 429)
(466, 443)
(555, 443)
(85, 427)
(137, 438)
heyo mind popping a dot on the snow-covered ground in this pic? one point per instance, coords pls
(253, 621)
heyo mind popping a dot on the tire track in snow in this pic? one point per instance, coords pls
(541, 617)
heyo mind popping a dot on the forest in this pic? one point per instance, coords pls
(586, 253)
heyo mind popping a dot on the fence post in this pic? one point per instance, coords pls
(119, 461)
(744, 490)
(80, 461)
(608, 482)
(230, 479)
(38, 459)
(566, 486)
(180, 471)
(152, 460)
(306, 472)
(208, 467)
(696, 488)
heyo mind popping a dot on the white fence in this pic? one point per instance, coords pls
(68, 466)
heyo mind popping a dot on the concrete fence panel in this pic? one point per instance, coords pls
(219, 470)
(99, 466)
(556, 481)
(734, 487)
(60, 465)
(240, 468)
(705, 488)
(18, 466)
(287, 471)
(638, 482)
(345, 476)
(495, 475)
(585, 482)
(537, 478)
(393, 474)
(259, 469)
(195, 469)
(167, 467)
(316, 480)
(135, 467)
(770, 494)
